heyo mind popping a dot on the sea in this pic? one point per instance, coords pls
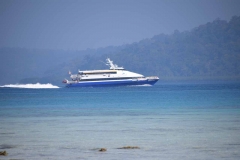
(167, 121)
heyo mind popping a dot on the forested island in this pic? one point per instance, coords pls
(207, 52)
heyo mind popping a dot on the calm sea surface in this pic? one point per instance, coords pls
(168, 122)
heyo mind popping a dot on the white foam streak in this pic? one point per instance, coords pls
(33, 86)
(142, 85)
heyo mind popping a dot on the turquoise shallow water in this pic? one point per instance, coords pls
(172, 121)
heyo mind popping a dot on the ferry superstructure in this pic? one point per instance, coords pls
(114, 76)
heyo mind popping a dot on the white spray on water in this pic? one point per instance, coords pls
(33, 86)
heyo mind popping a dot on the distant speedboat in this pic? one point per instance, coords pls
(115, 76)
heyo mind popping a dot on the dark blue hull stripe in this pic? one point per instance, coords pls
(111, 83)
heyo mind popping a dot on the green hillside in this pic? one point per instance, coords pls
(209, 51)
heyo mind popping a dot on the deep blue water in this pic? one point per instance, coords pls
(171, 121)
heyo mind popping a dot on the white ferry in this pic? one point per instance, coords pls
(115, 76)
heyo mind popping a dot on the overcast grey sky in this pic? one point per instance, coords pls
(82, 24)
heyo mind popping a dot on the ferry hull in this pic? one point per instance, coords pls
(112, 83)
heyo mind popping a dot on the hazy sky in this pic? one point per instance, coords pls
(82, 24)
